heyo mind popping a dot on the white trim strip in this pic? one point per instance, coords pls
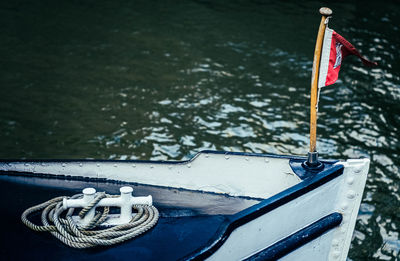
(326, 49)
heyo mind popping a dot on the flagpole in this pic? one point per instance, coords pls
(312, 161)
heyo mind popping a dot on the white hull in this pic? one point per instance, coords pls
(292, 205)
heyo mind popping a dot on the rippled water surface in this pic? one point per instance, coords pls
(166, 79)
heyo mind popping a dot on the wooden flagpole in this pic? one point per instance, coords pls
(312, 155)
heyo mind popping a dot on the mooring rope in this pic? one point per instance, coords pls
(68, 232)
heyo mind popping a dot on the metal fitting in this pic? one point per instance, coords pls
(312, 163)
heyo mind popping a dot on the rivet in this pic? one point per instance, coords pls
(43, 164)
(80, 164)
(344, 205)
(189, 165)
(63, 165)
(336, 254)
(98, 165)
(266, 160)
(226, 157)
(27, 164)
(246, 158)
(151, 166)
(350, 181)
(133, 165)
(357, 169)
(207, 155)
(335, 242)
(170, 167)
(351, 194)
(115, 165)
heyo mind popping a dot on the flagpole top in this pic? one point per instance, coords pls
(325, 11)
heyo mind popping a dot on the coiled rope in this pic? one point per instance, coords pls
(68, 232)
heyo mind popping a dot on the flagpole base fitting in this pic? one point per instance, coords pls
(312, 163)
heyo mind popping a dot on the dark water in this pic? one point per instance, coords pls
(163, 80)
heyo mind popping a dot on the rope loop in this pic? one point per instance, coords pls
(91, 235)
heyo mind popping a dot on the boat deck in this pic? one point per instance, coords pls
(188, 220)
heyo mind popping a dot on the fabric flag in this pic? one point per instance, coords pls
(334, 49)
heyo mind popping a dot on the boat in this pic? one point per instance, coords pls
(218, 205)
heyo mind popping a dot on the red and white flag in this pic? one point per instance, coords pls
(334, 49)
